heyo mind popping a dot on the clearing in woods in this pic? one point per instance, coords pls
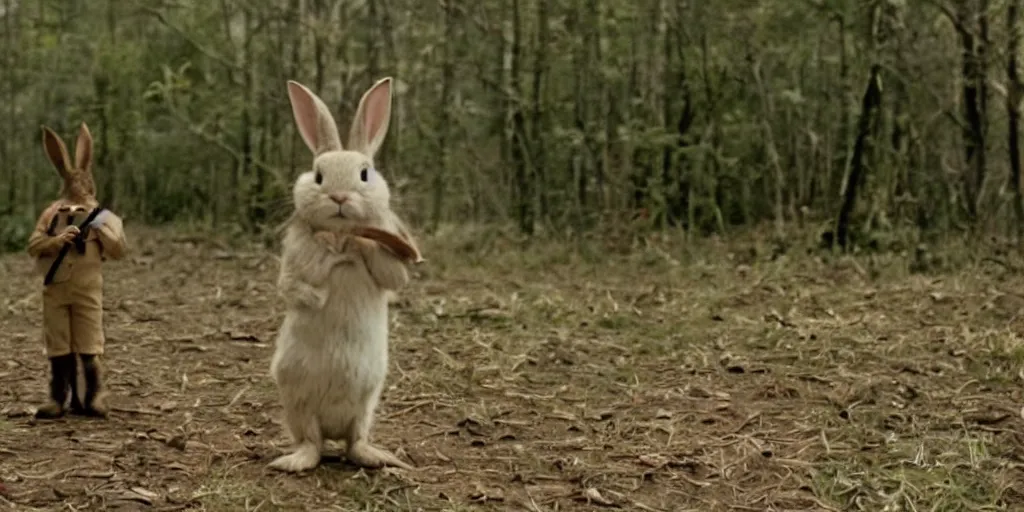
(727, 380)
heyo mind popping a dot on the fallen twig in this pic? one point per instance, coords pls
(132, 410)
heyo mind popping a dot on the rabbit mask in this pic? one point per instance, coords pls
(78, 191)
(343, 188)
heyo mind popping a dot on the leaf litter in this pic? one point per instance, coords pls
(540, 382)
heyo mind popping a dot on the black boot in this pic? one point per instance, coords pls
(95, 405)
(58, 387)
(76, 400)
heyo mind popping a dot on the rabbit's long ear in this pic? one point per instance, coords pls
(314, 120)
(373, 116)
(83, 149)
(56, 151)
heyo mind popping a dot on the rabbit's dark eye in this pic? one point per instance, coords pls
(364, 175)
(319, 177)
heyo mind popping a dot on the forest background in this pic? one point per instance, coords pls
(881, 122)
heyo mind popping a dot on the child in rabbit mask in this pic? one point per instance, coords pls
(71, 239)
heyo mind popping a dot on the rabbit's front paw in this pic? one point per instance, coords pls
(358, 245)
(305, 295)
(341, 248)
(330, 240)
(313, 296)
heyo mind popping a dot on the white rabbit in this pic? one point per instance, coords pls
(331, 355)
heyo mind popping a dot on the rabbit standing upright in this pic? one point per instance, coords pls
(331, 353)
(70, 241)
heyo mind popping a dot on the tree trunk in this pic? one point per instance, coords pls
(974, 99)
(373, 50)
(372, 36)
(609, 117)
(838, 166)
(444, 114)
(869, 108)
(253, 207)
(518, 144)
(580, 160)
(319, 52)
(6, 145)
(1013, 99)
(295, 21)
(539, 121)
(683, 183)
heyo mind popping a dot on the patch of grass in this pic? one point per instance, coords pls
(904, 487)
(954, 473)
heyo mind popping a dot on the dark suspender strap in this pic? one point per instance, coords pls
(84, 229)
(52, 230)
(79, 242)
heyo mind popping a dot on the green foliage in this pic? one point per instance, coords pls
(707, 115)
(14, 232)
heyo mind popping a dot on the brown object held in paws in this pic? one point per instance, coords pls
(391, 241)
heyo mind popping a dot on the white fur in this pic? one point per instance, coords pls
(331, 356)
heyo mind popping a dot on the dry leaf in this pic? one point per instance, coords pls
(16, 412)
(178, 442)
(593, 496)
(562, 415)
(243, 336)
(488, 314)
(145, 492)
(142, 495)
(393, 242)
(481, 494)
(178, 466)
(654, 460)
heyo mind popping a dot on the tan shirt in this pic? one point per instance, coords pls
(106, 241)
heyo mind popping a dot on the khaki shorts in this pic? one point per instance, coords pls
(73, 317)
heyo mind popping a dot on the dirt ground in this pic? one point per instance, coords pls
(718, 379)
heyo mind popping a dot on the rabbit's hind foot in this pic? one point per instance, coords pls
(305, 457)
(367, 455)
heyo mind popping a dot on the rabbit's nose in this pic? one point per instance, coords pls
(339, 198)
